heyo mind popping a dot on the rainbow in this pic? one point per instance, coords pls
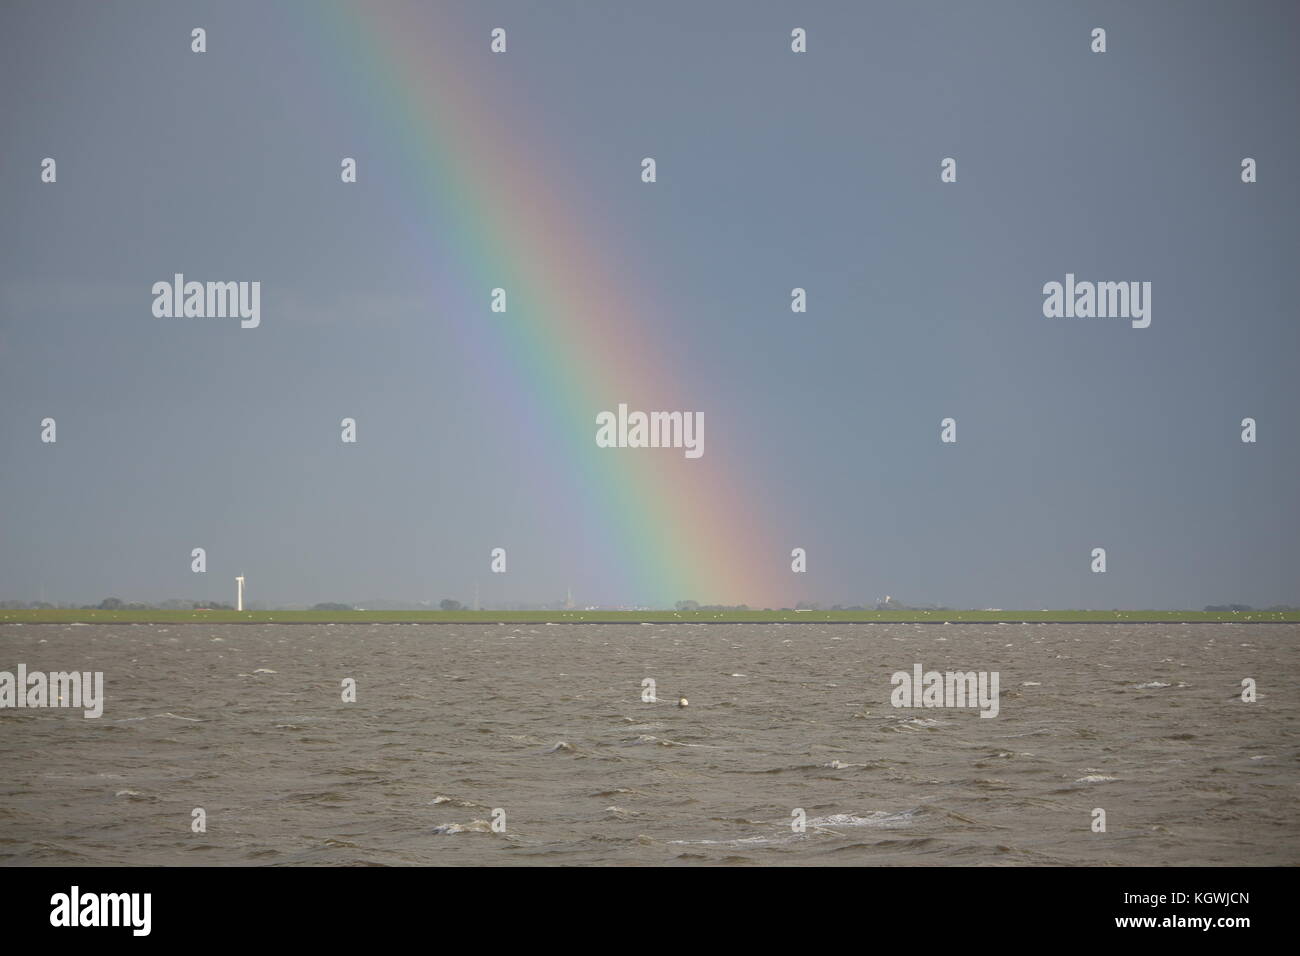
(583, 339)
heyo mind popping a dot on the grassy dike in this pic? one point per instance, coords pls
(69, 616)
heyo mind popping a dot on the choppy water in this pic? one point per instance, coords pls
(547, 723)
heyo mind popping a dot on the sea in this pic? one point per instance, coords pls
(548, 745)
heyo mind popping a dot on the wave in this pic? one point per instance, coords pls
(474, 826)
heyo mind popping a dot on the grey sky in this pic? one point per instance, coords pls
(819, 170)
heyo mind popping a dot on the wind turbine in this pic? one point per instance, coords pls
(239, 593)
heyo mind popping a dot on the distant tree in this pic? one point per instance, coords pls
(447, 604)
(110, 604)
(330, 606)
(688, 605)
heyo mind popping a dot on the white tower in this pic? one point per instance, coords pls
(239, 593)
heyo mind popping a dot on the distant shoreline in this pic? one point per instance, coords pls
(91, 616)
